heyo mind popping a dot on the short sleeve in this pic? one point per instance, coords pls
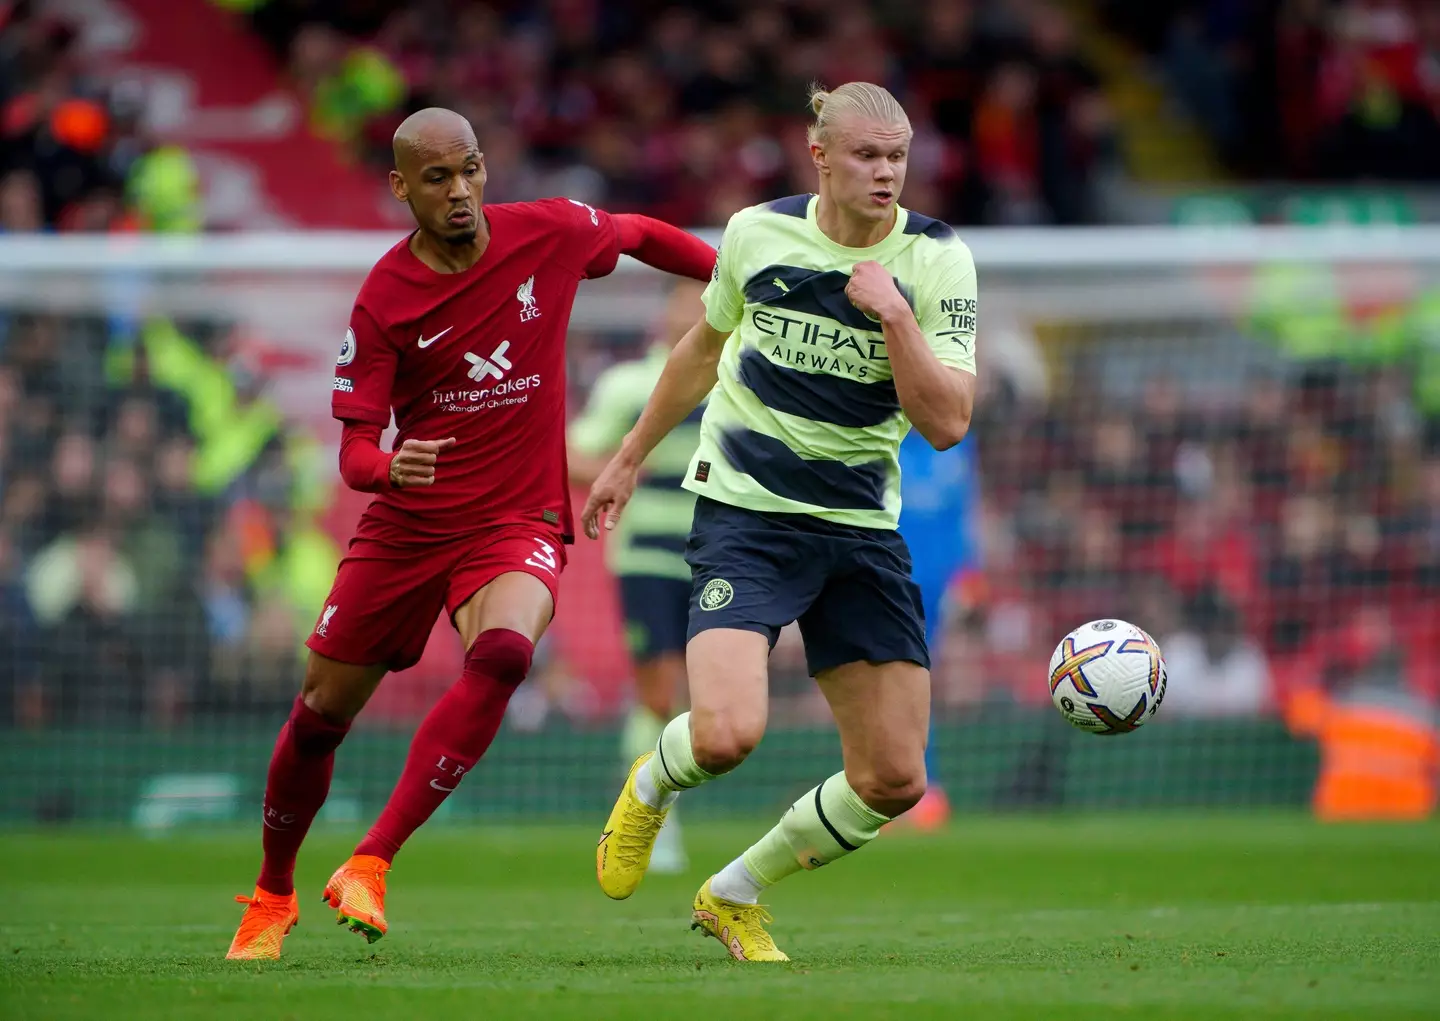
(724, 297)
(608, 415)
(364, 373)
(947, 307)
(592, 239)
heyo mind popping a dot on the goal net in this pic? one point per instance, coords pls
(1230, 438)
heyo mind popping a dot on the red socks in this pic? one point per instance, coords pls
(450, 741)
(295, 789)
(453, 737)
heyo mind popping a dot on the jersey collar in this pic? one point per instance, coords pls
(892, 242)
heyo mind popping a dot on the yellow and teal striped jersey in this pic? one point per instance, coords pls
(805, 417)
(650, 536)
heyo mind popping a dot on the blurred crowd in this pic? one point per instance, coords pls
(155, 554)
(1302, 89)
(73, 153)
(692, 111)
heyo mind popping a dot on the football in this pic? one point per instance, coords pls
(1107, 677)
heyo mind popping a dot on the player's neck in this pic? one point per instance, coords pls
(443, 257)
(848, 230)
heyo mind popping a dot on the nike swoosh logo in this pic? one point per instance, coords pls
(426, 343)
(441, 787)
(604, 837)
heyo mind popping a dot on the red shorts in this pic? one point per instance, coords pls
(390, 587)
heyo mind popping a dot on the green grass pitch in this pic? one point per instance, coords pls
(1146, 916)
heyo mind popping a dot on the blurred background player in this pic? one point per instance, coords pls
(460, 330)
(833, 324)
(937, 508)
(646, 551)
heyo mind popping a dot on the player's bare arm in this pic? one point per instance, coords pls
(690, 374)
(586, 469)
(936, 398)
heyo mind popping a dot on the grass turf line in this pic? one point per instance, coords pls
(1157, 916)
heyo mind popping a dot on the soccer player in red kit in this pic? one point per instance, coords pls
(460, 329)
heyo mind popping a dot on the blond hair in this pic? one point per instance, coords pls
(863, 99)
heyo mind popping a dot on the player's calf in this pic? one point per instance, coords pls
(296, 786)
(826, 824)
(452, 738)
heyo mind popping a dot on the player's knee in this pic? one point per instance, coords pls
(338, 691)
(891, 790)
(500, 655)
(332, 709)
(720, 742)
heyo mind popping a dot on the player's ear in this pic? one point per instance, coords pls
(398, 188)
(818, 157)
(484, 174)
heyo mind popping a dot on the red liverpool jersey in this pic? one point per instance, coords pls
(480, 356)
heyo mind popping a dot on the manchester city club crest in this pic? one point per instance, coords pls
(716, 593)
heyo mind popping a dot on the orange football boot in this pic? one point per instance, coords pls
(268, 919)
(357, 893)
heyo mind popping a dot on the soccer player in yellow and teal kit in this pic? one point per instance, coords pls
(646, 552)
(833, 324)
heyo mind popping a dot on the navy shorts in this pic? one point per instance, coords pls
(656, 610)
(850, 588)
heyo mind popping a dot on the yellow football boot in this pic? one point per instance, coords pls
(741, 927)
(623, 853)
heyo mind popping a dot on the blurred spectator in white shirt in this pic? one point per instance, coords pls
(1215, 668)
